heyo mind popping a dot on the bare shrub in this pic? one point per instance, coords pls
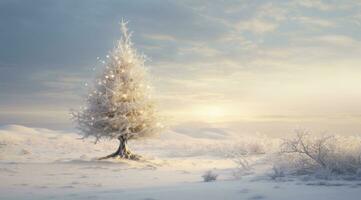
(209, 176)
(243, 167)
(243, 163)
(256, 148)
(278, 172)
(323, 156)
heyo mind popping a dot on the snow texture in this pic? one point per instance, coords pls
(37, 163)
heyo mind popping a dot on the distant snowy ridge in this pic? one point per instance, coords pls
(25, 144)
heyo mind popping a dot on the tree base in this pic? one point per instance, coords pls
(126, 155)
(122, 152)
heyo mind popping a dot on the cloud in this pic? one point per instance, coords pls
(159, 37)
(257, 26)
(334, 40)
(319, 4)
(325, 6)
(252, 55)
(338, 40)
(316, 21)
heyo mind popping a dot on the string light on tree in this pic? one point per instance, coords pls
(119, 106)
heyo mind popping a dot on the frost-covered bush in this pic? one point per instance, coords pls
(209, 176)
(243, 166)
(242, 163)
(278, 172)
(256, 148)
(322, 156)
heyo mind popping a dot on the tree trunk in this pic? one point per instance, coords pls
(123, 151)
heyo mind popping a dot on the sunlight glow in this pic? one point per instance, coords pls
(210, 113)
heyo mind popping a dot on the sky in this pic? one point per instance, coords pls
(233, 61)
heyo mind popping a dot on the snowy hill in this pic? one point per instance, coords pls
(37, 163)
(44, 145)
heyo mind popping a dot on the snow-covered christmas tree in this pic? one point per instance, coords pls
(119, 106)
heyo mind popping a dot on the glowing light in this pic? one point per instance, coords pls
(210, 113)
(159, 125)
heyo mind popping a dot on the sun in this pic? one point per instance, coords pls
(210, 113)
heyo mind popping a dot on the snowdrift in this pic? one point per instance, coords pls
(23, 144)
(337, 156)
(37, 163)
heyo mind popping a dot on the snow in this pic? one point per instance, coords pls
(38, 163)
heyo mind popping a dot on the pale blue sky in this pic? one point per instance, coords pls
(210, 60)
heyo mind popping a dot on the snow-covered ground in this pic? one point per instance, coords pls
(45, 164)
